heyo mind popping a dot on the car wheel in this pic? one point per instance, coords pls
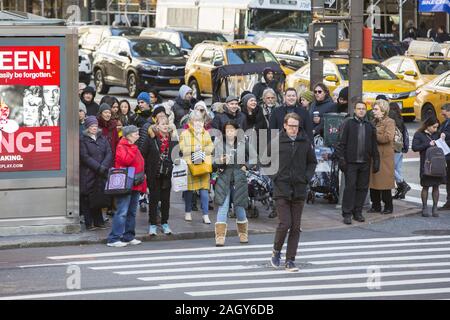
(195, 89)
(100, 84)
(428, 111)
(132, 85)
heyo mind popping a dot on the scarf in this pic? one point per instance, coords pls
(164, 148)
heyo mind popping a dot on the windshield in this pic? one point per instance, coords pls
(242, 56)
(371, 71)
(433, 67)
(126, 31)
(279, 20)
(190, 39)
(153, 48)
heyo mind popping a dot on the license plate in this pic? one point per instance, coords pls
(174, 81)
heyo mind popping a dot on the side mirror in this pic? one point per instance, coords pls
(331, 78)
(123, 54)
(400, 76)
(410, 73)
(218, 63)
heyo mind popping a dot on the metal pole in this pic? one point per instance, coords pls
(316, 72)
(400, 8)
(356, 60)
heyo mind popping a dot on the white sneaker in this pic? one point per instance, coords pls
(117, 244)
(206, 219)
(135, 242)
(188, 216)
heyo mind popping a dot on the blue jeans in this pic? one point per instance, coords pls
(124, 221)
(204, 200)
(222, 213)
(398, 162)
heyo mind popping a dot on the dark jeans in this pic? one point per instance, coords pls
(124, 221)
(289, 215)
(377, 195)
(448, 180)
(91, 216)
(356, 187)
(159, 190)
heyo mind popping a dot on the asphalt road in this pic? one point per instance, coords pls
(405, 258)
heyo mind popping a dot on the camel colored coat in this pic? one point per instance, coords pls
(384, 179)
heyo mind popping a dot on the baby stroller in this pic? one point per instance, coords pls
(260, 189)
(325, 182)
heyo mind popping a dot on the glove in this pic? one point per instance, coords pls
(103, 171)
(376, 166)
(342, 165)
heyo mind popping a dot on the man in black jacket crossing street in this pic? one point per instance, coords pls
(297, 162)
(358, 153)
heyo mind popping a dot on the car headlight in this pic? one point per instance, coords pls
(150, 67)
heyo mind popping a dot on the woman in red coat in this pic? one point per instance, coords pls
(108, 126)
(124, 222)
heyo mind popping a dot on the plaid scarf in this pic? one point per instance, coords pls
(164, 148)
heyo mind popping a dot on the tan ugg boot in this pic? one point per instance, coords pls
(242, 227)
(221, 232)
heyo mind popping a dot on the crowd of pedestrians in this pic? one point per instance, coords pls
(369, 153)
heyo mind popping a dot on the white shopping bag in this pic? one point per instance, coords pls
(180, 176)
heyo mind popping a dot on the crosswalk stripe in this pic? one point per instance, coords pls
(375, 294)
(315, 287)
(190, 269)
(284, 274)
(391, 245)
(380, 259)
(298, 279)
(234, 254)
(309, 243)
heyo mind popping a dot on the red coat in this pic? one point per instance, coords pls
(128, 155)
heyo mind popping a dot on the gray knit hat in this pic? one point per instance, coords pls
(103, 107)
(129, 129)
(89, 121)
(82, 107)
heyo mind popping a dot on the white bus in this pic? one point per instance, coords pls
(236, 19)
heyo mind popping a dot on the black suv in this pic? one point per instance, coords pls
(92, 36)
(138, 64)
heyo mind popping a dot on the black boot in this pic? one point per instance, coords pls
(398, 191)
(405, 188)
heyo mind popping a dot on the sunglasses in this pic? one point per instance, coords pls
(318, 91)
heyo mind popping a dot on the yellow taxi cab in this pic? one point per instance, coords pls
(377, 80)
(211, 54)
(423, 62)
(432, 96)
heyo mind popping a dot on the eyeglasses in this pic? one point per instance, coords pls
(318, 91)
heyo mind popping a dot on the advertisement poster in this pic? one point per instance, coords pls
(30, 133)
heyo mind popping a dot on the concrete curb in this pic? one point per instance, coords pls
(21, 244)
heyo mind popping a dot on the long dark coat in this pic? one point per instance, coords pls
(94, 154)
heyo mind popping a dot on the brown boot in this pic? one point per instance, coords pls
(242, 228)
(221, 232)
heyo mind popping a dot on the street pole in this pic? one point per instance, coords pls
(356, 59)
(400, 9)
(316, 72)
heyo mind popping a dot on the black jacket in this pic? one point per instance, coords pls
(223, 116)
(278, 114)
(420, 143)
(91, 107)
(357, 143)
(297, 162)
(95, 160)
(151, 154)
(256, 120)
(180, 109)
(325, 106)
(140, 118)
(445, 128)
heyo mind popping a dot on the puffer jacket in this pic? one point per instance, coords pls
(232, 175)
(128, 155)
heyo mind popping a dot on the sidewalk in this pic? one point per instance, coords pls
(318, 216)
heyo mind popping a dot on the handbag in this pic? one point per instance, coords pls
(200, 169)
(179, 176)
(120, 181)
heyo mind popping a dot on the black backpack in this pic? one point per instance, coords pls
(435, 165)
